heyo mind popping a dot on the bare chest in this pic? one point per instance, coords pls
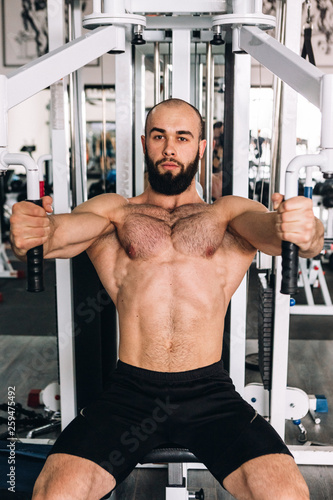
(190, 229)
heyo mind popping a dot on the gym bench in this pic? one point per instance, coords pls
(176, 459)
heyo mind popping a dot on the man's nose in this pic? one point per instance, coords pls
(169, 148)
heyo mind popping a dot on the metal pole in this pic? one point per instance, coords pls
(166, 77)
(124, 120)
(287, 150)
(72, 112)
(209, 122)
(276, 133)
(258, 6)
(103, 142)
(240, 187)
(114, 7)
(196, 76)
(181, 64)
(200, 91)
(139, 118)
(157, 74)
(77, 117)
(61, 193)
(97, 6)
(195, 70)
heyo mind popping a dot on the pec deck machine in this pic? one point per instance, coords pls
(121, 28)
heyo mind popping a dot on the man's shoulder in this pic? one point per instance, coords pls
(140, 199)
(236, 205)
(102, 205)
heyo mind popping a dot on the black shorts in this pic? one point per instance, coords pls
(141, 410)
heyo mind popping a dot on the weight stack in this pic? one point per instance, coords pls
(265, 330)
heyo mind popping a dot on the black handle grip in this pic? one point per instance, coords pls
(35, 274)
(289, 268)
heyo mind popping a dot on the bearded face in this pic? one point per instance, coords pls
(166, 182)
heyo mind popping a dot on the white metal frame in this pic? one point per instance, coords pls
(139, 103)
(317, 88)
(124, 121)
(242, 79)
(181, 64)
(61, 203)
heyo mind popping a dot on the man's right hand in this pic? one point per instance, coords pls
(29, 225)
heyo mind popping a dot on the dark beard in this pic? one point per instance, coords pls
(167, 183)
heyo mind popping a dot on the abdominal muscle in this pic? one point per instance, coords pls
(171, 314)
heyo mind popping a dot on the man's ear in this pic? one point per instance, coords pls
(202, 147)
(143, 142)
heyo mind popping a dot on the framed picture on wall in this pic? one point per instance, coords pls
(321, 21)
(25, 30)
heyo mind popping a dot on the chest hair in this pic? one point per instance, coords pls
(190, 229)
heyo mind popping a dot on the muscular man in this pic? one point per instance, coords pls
(170, 263)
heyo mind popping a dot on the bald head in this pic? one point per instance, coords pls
(176, 103)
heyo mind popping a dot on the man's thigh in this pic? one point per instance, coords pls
(69, 477)
(115, 431)
(224, 431)
(256, 438)
(264, 478)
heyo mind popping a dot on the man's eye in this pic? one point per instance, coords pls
(182, 139)
(158, 137)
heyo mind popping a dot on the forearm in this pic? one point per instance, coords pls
(71, 234)
(265, 232)
(259, 230)
(63, 235)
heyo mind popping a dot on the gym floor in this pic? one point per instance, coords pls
(28, 360)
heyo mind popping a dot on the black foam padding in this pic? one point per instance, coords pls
(35, 273)
(169, 455)
(265, 333)
(289, 268)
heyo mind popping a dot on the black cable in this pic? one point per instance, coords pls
(307, 46)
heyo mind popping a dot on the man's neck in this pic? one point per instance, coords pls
(151, 197)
